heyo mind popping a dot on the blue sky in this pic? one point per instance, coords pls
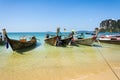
(47, 15)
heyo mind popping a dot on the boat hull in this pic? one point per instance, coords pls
(111, 41)
(66, 41)
(87, 41)
(17, 45)
(53, 41)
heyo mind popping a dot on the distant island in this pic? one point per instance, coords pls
(110, 25)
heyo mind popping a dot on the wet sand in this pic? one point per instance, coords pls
(57, 63)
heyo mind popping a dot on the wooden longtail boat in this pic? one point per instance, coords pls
(53, 41)
(20, 44)
(87, 41)
(110, 39)
(57, 41)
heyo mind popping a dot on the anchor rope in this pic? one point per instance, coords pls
(108, 64)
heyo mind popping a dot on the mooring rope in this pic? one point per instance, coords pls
(108, 64)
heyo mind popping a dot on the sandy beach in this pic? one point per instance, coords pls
(58, 63)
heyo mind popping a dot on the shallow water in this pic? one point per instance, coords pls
(47, 62)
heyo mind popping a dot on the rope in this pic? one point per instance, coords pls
(99, 42)
(108, 64)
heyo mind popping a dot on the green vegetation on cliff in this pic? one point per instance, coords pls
(110, 25)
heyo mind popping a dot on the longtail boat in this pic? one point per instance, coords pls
(87, 41)
(20, 44)
(53, 41)
(112, 39)
(57, 41)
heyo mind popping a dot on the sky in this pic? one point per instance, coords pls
(47, 15)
